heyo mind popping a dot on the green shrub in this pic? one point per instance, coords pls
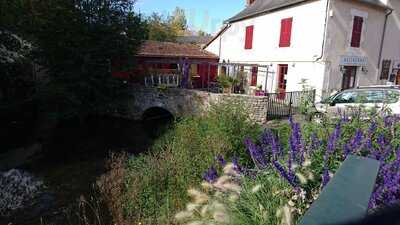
(156, 183)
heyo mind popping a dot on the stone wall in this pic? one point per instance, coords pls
(256, 106)
(184, 102)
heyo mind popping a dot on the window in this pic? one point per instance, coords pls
(372, 96)
(357, 31)
(254, 72)
(346, 97)
(385, 69)
(249, 37)
(286, 32)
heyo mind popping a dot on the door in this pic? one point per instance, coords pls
(282, 80)
(349, 77)
(398, 78)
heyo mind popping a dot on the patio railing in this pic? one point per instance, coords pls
(168, 80)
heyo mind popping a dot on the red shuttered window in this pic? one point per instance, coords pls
(357, 31)
(249, 37)
(286, 32)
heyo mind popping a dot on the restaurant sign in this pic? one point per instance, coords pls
(346, 60)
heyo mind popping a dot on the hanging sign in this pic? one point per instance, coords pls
(353, 60)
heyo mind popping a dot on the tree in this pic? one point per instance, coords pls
(202, 33)
(76, 41)
(159, 29)
(178, 21)
(15, 67)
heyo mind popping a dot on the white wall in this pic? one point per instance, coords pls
(306, 42)
(339, 38)
(391, 48)
(306, 45)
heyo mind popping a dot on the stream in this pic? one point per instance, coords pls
(67, 166)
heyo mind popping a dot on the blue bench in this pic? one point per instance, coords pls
(346, 196)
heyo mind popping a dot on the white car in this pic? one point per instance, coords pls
(384, 99)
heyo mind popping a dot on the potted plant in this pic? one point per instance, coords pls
(225, 82)
(259, 91)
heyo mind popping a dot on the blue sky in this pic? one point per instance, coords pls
(206, 15)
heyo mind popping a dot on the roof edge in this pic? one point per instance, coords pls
(230, 20)
(226, 26)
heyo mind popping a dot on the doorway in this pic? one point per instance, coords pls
(282, 79)
(349, 77)
(398, 78)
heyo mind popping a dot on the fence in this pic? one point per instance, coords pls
(169, 80)
(285, 104)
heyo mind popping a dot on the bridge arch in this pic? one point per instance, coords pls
(157, 113)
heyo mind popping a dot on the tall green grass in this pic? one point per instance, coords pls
(157, 182)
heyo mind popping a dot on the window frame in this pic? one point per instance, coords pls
(357, 31)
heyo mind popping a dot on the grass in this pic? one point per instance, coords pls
(260, 207)
(156, 183)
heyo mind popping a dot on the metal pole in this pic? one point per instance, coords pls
(208, 77)
(290, 104)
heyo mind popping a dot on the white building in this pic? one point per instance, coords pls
(332, 44)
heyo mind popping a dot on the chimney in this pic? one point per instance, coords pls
(249, 2)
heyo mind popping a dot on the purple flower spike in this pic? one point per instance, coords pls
(296, 144)
(221, 160)
(290, 177)
(325, 176)
(354, 144)
(333, 138)
(210, 175)
(256, 153)
(236, 165)
(388, 121)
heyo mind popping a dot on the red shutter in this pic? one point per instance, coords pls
(249, 37)
(357, 31)
(286, 32)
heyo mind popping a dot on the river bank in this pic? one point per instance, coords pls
(72, 160)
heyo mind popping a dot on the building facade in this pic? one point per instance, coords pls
(328, 45)
(167, 58)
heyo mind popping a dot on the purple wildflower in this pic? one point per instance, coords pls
(295, 143)
(369, 137)
(388, 121)
(290, 177)
(325, 176)
(210, 175)
(256, 153)
(236, 165)
(384, 149)
(332, 142)
(354, 144)
(315, 142)
(221, 160)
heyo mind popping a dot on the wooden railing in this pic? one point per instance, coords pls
(168, 80)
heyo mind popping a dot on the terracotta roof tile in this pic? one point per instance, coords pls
(169, 49)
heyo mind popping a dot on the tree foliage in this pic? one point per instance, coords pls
(168, 28)
(178, 21)
(160, 29)
(76, 41)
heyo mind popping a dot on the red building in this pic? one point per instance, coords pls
(164, 58)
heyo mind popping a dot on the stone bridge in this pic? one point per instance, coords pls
(184, 102)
